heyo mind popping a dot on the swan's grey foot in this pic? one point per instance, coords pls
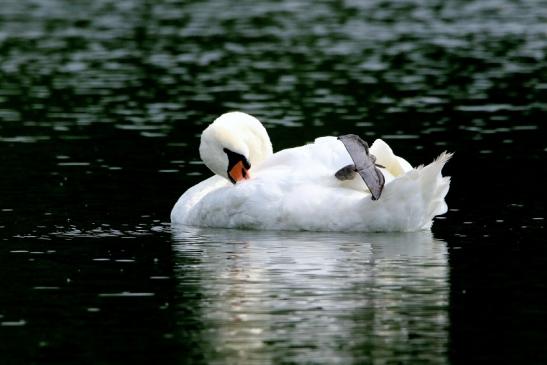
(365, 164)
(346, 173)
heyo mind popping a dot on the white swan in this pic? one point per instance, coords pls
(296, 189)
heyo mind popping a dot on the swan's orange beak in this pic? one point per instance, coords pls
(239, 172)
(238, 166)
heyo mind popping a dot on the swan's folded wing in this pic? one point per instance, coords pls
(364, 163)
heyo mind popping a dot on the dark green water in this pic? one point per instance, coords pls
(101, 107)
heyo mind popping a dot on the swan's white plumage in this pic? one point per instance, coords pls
(295, 189)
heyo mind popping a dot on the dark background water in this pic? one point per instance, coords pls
(101, 107)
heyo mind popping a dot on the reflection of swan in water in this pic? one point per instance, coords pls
(319, 297)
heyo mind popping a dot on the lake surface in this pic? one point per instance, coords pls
(101, 108)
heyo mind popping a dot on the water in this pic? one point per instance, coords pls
(297, 297)
(101, 107)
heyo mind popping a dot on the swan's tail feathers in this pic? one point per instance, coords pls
(434, 188)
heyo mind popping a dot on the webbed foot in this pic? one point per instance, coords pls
(365, 165)
(346, 173)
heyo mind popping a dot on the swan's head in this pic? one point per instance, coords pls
(233, 144)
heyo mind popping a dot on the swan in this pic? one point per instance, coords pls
(321, 186)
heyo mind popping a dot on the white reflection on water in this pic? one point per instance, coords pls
(317, 297)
